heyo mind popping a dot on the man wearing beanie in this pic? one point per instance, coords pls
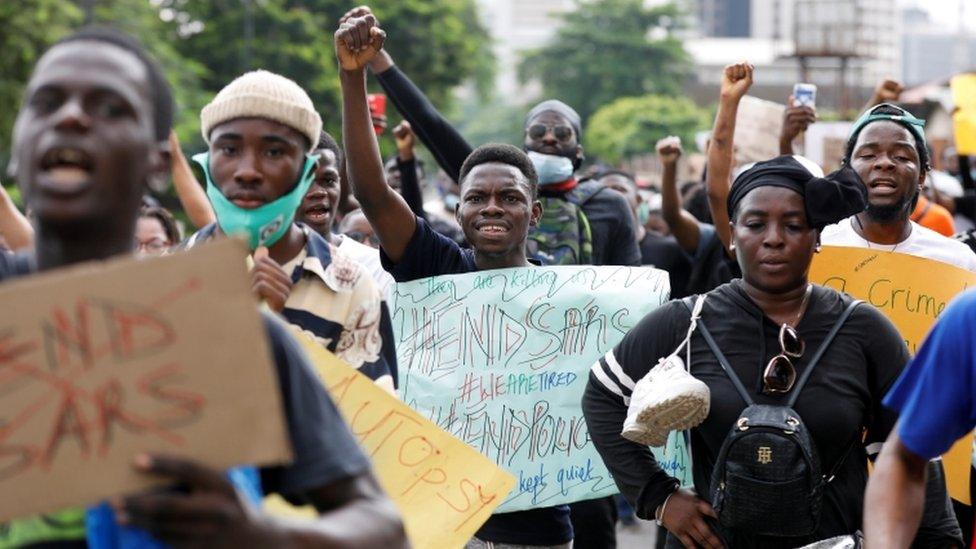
(111, 163)
(260, 130)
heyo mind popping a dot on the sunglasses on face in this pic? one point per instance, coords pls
(560, 132)
(780, 373)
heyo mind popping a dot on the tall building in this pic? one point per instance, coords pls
(517, 26)
(930, 53)
(805, 40)
(725, 18)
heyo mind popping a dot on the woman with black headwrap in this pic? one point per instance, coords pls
(768, 325)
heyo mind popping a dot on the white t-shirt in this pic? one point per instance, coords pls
(370, 258)
(921, 242)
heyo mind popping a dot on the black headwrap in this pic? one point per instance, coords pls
(827, 199)
(558, 107)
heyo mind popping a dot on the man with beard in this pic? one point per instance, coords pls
(887, 149)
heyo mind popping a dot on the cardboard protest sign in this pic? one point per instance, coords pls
(500, 359)
(964, 118)
(912, 292)
(443, 489)
(103, 361)
(757, 127)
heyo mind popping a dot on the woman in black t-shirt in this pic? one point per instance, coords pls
(777, 209)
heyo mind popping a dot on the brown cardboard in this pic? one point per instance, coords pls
(103, 361)
(757, 127)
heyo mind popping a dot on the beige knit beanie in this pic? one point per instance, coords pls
(263, 94)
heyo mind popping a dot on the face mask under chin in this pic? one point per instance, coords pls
(264, 225)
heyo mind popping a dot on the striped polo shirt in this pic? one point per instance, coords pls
(334, 300)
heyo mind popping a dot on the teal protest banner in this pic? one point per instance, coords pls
(500, 360)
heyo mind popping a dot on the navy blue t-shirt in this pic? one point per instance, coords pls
(430, 253)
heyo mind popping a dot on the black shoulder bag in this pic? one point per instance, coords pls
(767, 478)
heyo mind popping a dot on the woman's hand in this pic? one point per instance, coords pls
(684, 516)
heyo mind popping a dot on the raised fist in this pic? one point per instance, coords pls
(736, 80)
(357, 41)
(887, 91)
(358, 11)
(669, 149)
(405, 139)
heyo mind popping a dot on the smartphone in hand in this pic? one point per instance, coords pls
(805, 95)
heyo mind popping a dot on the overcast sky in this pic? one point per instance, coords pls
(946, 12)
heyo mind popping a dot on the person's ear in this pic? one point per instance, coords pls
(536, 214)
(731, 236)
(457, 213)
(160, 166)
(818, 245)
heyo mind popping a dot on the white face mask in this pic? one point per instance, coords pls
(551, 168)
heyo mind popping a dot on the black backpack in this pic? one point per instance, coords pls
(767, 478)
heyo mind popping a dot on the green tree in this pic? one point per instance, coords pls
(632, 125)
(29, 27)
(607, 49)
(439, 43)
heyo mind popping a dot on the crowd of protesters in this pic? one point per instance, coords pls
(333, 227)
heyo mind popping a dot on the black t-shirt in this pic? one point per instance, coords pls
(323, 447)
(611, 221)
(842, 396)
(430, 254)
(665, 253)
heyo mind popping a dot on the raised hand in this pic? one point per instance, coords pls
(669, 149)
(887, 91)
(358, 11)
(405, 139)
(357, 41)
(736, 80)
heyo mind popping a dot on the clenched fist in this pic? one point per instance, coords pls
(357, 41)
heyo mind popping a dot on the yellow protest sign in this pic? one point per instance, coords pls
(964, 118)
(912, 292)
(444, 489)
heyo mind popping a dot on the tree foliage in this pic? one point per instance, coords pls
(29, 27)
(607, 49)
(202, 46)
(439, 43)
(632, 125)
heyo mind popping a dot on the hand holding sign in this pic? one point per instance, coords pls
(207, 510)
(95, 369)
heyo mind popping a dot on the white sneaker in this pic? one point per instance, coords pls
(667, 399)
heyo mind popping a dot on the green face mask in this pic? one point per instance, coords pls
(266, 224)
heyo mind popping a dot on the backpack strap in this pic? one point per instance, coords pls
(823, 348)
(584, 191)
(721, 358)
